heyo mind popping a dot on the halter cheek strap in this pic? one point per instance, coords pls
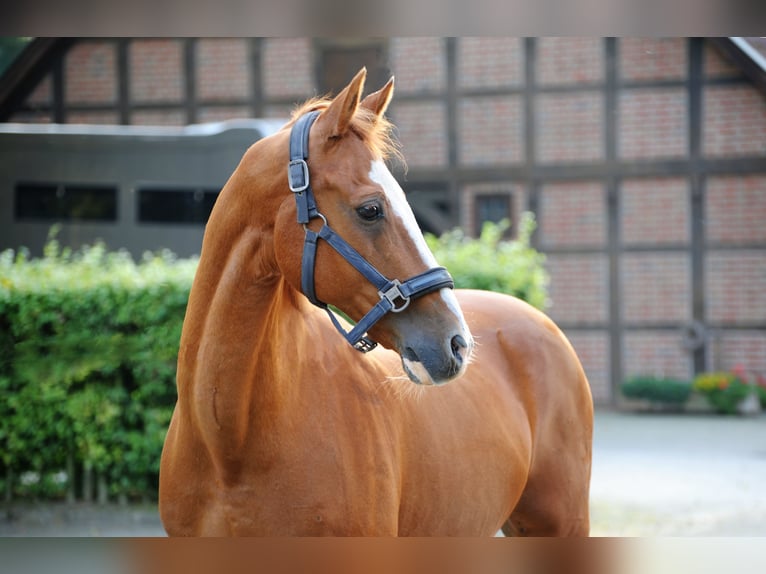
(395, 296)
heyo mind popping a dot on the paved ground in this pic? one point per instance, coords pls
(653, 475)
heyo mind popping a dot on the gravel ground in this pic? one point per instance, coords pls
(653, 475)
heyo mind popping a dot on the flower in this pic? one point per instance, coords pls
(724, 390)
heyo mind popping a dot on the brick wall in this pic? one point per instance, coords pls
(656, 287)
(579, 288)
(592, 348)
(642, 59)
(734, 121)
(735, 209)
(655, 211)
(570, 60)
(652, 123)
(223, 69)
(419, 64)
(156, 70)
(737, 347)
(491, 130)
(421, 127)
(716, 65)
(91, 74)
(572, 215)
(287, 68)
(735, 282)
(657, 353)
(569, 127)
(490, 62)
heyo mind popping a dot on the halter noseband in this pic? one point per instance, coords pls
(395, 295)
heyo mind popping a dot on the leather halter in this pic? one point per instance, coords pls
(395, 295)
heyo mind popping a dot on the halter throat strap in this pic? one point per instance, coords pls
(395, 296)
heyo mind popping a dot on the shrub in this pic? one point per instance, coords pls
(724, 391)
(88, 345)
(490, 263)
(88, 348)
(657, 390)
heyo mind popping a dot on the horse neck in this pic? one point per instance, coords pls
(242, 318)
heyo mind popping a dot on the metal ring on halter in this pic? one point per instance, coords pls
(392, 294)
(320, 216)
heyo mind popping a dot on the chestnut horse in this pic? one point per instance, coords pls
(284, 428)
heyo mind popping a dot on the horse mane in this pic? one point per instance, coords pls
(377, 132)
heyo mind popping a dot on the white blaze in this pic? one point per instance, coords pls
(380, 174)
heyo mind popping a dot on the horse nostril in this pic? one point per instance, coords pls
(458, 344)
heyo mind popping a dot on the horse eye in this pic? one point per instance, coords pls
(370, 212)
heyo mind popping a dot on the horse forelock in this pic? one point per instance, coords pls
(376, 132)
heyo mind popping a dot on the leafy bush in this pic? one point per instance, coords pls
(490, 263)
(657, 390)
(724, 391)
(88, 346)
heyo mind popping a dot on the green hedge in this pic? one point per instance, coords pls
(88, 346)
(494, 264)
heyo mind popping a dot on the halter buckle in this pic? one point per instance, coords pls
(365, 345)
(393, 293)
(298, 175)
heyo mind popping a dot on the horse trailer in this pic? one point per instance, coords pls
(139, 188)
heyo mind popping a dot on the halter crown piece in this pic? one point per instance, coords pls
(395, 295)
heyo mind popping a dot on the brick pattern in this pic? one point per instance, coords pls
(652, 123)
(569, 127)
(95, 117)
(491, 130)
(468, 195)
(658, 353)
(91, 74)
(419, 64)
(734, 121)
(647, 59)
(569, 60)
(421, 127)
(735, 209)
(223, 69)
(43, 92)
(716, 65)
(592, 347)
(220, 113)
(731, 348)
(735, 283)
(490, 62)
(655, 211)
(159, 117)
(278, 111)
(32, 118)
(288, 68)
(656, 287)
(572, 214)
(579, 289)
(156, 70)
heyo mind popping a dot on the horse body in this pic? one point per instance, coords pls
(282, 428)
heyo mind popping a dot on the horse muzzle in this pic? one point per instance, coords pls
(430, 357)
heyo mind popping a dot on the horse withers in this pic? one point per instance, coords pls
(442, 412)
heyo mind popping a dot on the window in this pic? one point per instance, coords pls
(492, 207)
(65, 202)
(189, 205)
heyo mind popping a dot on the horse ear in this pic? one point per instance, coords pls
(337, 116)
(377, 102)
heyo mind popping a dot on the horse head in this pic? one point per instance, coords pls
(348, 238)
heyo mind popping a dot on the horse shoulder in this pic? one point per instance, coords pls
(556, 396)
